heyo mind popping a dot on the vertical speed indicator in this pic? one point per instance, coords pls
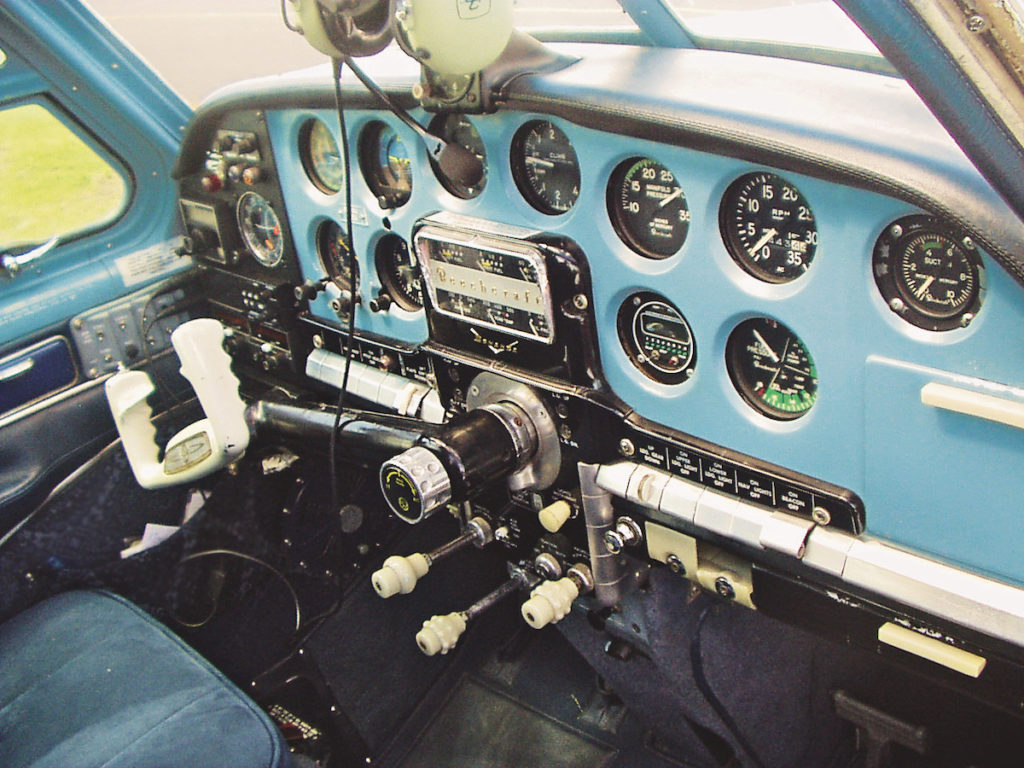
(768, 227)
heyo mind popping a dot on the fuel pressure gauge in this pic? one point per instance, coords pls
(771, 368)
(656, 338)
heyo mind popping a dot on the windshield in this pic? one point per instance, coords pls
(811, 23)
(185, 41)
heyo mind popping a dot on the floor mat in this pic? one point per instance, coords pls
(485, 729)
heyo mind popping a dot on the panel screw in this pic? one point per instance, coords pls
(968, 243)
(897, 305)
(626, 447)
(896, 230)
(676, 565)
(580, 302)
(318, 341)
(821, 516)
(724, 588)
(976, 23)
(966, 320)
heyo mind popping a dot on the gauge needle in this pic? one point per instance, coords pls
(531, 160)
(764, 239)
(764, 344)
(924, 286)
(666, 200)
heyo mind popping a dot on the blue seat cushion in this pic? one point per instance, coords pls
(87, 679)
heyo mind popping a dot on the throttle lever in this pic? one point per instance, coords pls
(202, 447)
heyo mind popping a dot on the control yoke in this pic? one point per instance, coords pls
(202, 447)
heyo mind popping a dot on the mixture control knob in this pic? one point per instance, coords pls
(626, 533)
(550, 602)
(440, 633)
(415, 483)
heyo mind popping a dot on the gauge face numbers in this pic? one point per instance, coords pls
(927, 274)
(656, 338)
(771, 368)
(648, 208)
(261, 229)
(332, 247)
(458, 129)
(320, 157)
(768, 227)
(545, 167)
(386, 165)
(399, 272)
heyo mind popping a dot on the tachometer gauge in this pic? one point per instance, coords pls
(656, 338)
(261, 229)
(399, 272)
(386, 164)
(320, 157)
(332, 247)
(771, 368)
(457, 128)
(545, 167)
(648, 208)
(768, 227)
(928, 274)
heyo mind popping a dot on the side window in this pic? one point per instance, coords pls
(53, 182)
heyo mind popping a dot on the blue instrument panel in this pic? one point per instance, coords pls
(924, 473)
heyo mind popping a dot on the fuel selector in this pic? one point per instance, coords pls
(506, 432)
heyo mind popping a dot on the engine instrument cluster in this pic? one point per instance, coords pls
(488, 281)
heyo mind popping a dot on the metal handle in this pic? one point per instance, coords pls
(12, 265)
(18, 369)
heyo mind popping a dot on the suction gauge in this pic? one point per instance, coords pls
(771, 368)
(332, 247)
(648, 208)
(399, 272)
(768, 227)
(385, 163)
(928, 274)
(261, 229)
(320, 157)
(458, 129)
(545, 167)
(657, 338)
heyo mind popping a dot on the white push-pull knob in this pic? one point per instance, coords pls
(554, 515)
(441, 633)
(400, 574)
(550, 602)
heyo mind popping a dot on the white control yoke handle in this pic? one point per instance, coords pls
(200, 448)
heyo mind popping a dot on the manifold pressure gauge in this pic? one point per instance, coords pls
(656, 338)
(928, 274)
(647, 208)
